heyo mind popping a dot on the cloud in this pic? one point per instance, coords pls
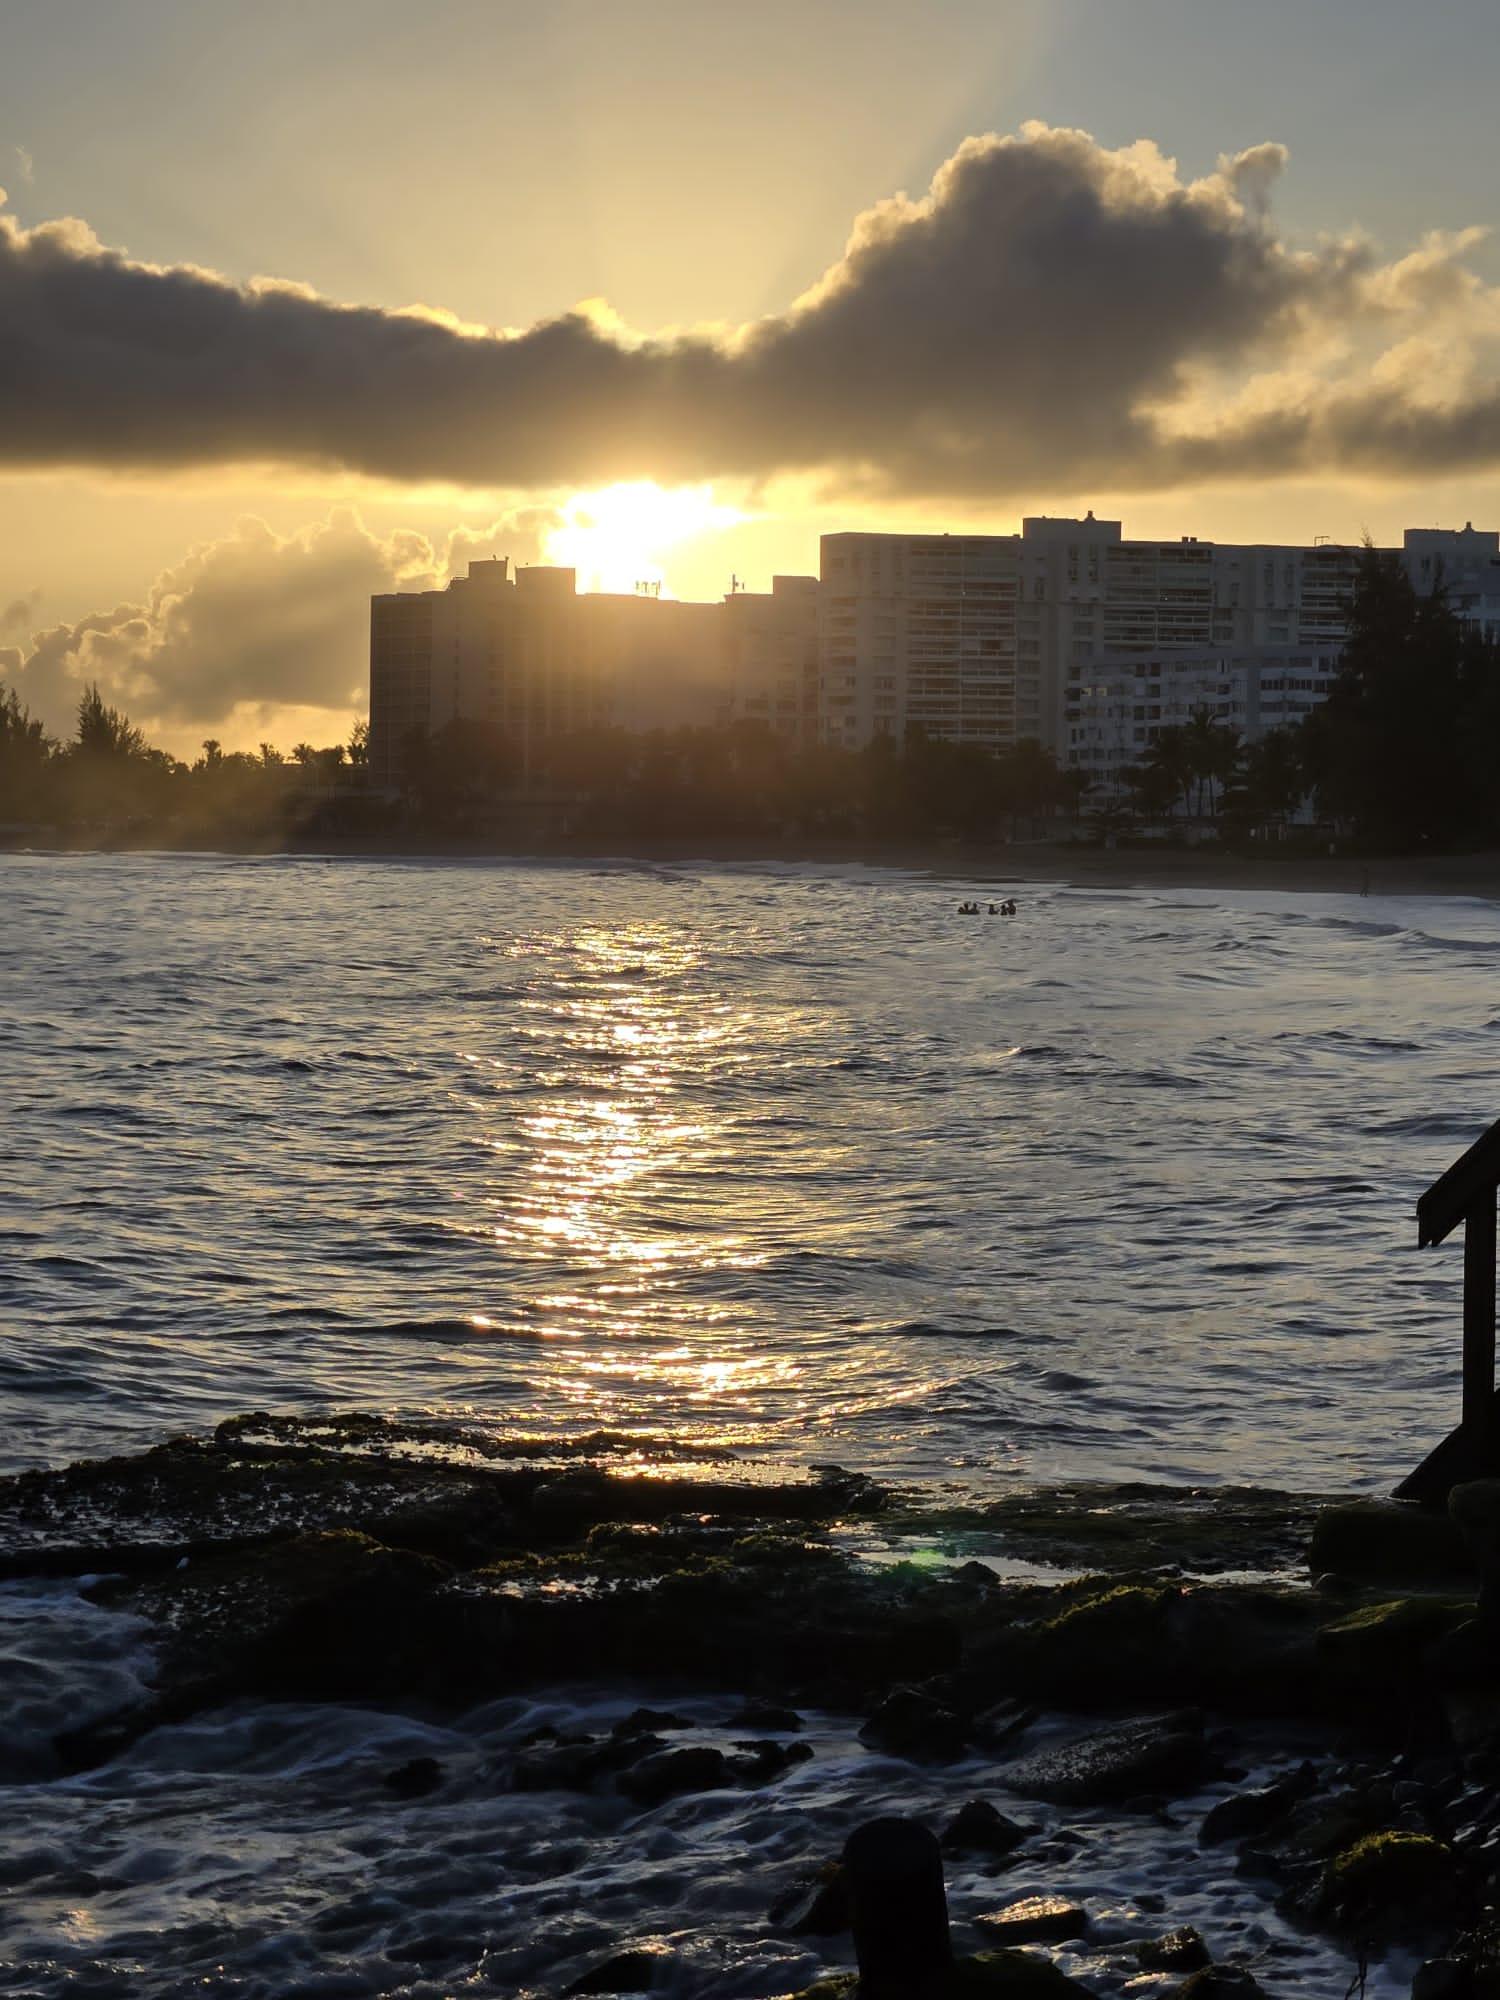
(18, 614)
(1051, 311)
(245, 627)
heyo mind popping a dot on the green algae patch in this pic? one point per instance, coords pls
(1388, 1880)
(1132, 1527)
(1394, 1633)
(1124, 1611)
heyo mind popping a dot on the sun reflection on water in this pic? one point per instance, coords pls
(604, 1116)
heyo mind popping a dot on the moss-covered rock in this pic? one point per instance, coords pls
(1392, 1641)
(1390, 1539)
(1387, 1881)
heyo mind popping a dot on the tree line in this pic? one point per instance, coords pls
(108, 780)
(466, 779)
(1401, 756)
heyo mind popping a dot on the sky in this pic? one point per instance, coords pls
(299, 302)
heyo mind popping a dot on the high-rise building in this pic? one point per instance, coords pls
(1065, 633)
(993, 638)
(535, 657)
(771, 656)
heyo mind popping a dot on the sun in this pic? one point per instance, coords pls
(618, 536)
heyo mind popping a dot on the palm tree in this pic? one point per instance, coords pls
(1170, 759)
(1275, 780)
(1213, 753)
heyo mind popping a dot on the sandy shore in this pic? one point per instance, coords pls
(998, 863)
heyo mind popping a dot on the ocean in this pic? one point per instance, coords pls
(802, 1162)
(794, 1162)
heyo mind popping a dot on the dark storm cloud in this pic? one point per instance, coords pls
(1049, 311)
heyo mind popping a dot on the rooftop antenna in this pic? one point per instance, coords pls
(735, 585)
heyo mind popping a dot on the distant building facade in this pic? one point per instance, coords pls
(1129, 699)
(530, 654)
(1467, 562)
(771, 656)
(1066, 633)
(993, 638)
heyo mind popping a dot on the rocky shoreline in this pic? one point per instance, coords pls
(1118, 1648)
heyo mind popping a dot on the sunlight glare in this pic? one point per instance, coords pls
(617, 536)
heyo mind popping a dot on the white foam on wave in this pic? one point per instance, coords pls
(63, 1662)
(261, 1845)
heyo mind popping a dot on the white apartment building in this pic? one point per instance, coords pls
(1066, 633)
(923, 629)
(1129, 700)
(1467, 561)
(992, 638)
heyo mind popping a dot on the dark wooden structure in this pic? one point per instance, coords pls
(1466, 1194)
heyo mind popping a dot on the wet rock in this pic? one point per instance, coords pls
(1394, 1642)
(818, 1906)
(1475, 1511)
(561, 1767)
(988, 1975)
(1388, 1539)
(646, 1721)
(1220, 1982)
(414, 1779)
(1136, 1526)
(759, 1762)
(1440, 1979)
(1232, 1646)
(1011, 1975)
(669, 1773)
(1182, 1950)
(1001, 1723)
(979, 1828)
(1248, 1814)
(765, 1715)
(1164, 1756)
(578, 1496)
(632, 1971)
(909, 1723)
(468, 1526)
(1036, 1920)
(1468, 1970)
(1473, 1715)
(977, 1572)
(1388, 1882)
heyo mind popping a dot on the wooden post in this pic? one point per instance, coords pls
(900, 1909)
(1479, 1320)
